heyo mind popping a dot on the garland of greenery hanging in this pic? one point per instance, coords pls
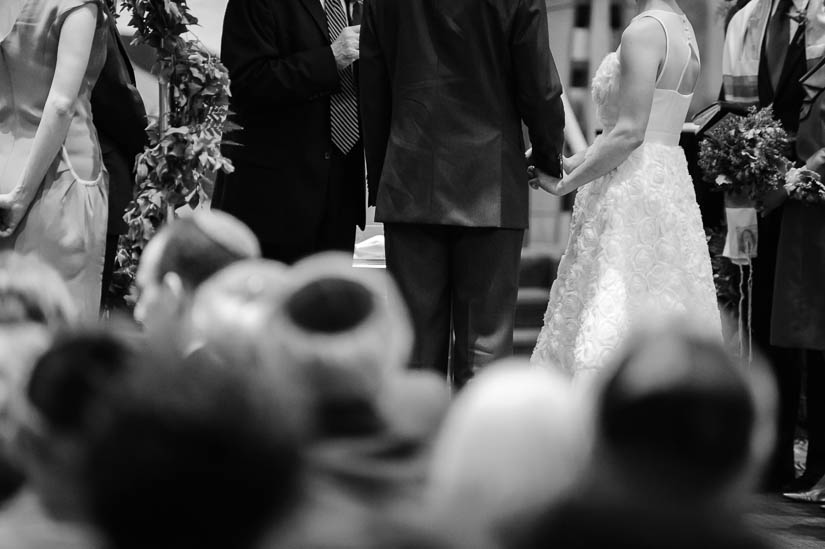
(184, 150)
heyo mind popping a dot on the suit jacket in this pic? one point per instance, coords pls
(444, 89)
(798, 319)
(787, 99)
(120, 120)
(283, 73)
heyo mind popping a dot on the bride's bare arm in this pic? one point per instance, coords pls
(641, 53)
(74, 50)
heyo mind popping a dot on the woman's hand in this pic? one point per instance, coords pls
(548, 183)
(13, 207)
(570, 163)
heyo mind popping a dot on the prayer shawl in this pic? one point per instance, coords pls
(743, 45)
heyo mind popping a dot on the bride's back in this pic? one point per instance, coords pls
(676, 79)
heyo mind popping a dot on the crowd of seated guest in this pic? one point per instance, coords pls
(269, 407)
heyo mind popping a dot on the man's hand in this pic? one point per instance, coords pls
(345, 47)
(816, 163)
(548, 183)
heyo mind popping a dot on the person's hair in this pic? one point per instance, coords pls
(69, 380)
(228, 313)
(195, 455)
(198, 246)
(691, 431)
(343, 338)
(33, 291)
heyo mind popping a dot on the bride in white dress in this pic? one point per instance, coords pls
(637, 247)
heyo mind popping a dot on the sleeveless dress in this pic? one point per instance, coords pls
(637, 246)
(66, 223)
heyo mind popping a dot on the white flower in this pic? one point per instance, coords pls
(723, 180)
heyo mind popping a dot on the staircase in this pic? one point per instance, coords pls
(538, 270)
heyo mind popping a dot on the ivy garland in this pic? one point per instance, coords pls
(184, 150)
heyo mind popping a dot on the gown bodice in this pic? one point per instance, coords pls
(670, 107)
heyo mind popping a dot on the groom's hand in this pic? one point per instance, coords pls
(546, 182)
(345, 47)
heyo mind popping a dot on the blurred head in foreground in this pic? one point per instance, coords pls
(512, 443)
(229, 310)
(679, 420)
(343, 340)
(32, 292)
(34, 304)
(197, 455)
(181, 256)
(57, 411)
(680, 433)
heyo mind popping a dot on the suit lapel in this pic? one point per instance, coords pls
(795, 53)
(317, 12)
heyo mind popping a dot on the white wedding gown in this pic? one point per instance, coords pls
(637, 247)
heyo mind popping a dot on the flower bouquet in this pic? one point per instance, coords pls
(746, 157)
(805, 185)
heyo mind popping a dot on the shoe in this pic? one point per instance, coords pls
(802, 484)
(810, 496)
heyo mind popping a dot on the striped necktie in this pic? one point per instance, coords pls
(343, 106)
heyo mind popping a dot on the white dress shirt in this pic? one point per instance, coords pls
(347, 9)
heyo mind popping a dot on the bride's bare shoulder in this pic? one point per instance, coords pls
(644, 31)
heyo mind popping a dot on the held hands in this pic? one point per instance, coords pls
(345, 47)
(13, 208)
(570, 163)
(548, 183)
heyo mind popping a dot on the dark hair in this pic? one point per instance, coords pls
(196, 455)
(194, 255)
(334, 306)
(70, 378)
(698, 433)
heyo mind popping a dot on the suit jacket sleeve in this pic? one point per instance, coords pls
(118, 110)
(259, 71)
(376, 100)
(538, 87)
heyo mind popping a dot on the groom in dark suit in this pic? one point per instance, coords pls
(444, 89)
(299, 169)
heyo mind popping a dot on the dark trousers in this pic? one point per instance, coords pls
(785, 363)
(815, 417)
(462, 277)
(335, 229)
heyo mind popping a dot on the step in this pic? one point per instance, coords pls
(524, 339)
(538, 268)
(531, 306)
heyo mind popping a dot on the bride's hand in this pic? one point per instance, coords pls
(13, 208)
(547, 183)
(570, 163)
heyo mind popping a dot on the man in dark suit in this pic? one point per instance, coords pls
(299, 169)
(764, 39)
(443, 96)
(120, 120)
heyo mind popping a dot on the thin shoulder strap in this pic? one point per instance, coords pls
(692, 49)
(667, 42)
